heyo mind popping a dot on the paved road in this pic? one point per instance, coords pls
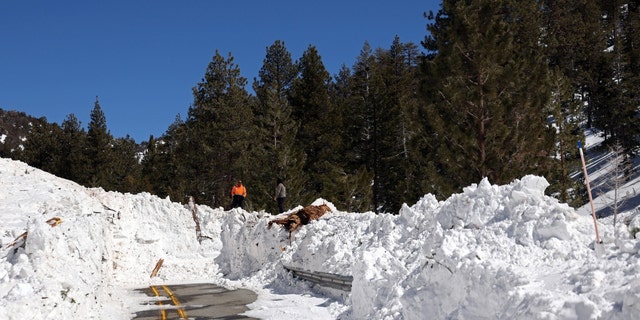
(195, 301)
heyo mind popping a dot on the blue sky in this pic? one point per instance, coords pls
(143, 57)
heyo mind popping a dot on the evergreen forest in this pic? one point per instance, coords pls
(497, 89)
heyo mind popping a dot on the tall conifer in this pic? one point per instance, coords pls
(169, 164)
(570, 31)
(627, 121)
(317, 119)
(353, 193)
(488, 92)
(398, 98)
(361, 133)
(42, 146)
(74, 164)
(218, 136)
(277, 156)
(126, 169)
(99, 150)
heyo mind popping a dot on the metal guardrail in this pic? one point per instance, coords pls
(325, 279)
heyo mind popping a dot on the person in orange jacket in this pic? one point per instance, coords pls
(238, 193)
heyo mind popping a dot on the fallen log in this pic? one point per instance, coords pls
(294, 220)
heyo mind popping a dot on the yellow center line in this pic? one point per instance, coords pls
(176, 302)
(163, 314)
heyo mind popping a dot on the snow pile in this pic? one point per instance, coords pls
(106, 243)
(489, 252)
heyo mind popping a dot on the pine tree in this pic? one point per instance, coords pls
(627, 122)
(168, 169)
(159, 168)
(218, 135)
(397, 99)
(74, 164)
(488, 91)
(381, 93)
(354, 192)
(126, 169)
(276, 154)
(606, 97)
(99, 150)
(360, 130)
(42, 146)
(566, 112)
(603, 96)
(318, 120)
(570, 31)
(149, 167)
(426, 140)
(614, 99)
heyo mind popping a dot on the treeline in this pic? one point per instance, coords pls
(500, 90)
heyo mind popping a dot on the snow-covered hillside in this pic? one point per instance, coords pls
(494, 252)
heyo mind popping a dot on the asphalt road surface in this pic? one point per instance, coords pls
(195, 301)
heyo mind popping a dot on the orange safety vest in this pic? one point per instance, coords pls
(239, 190)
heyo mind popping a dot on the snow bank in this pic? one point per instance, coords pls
(489, 252)
(106, 243)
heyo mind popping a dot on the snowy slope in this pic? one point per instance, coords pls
(494, 252)
(79, 266)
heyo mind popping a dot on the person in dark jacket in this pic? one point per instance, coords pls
(281, 195)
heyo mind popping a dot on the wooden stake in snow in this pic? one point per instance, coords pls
(157, 268)
(586, 181)
(52, 222)
(194, 213)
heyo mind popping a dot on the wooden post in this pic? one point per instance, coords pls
(52, 222)
(157, 268)
(586, 180)
(194, 213)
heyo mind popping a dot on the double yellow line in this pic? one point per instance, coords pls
(176, 302)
